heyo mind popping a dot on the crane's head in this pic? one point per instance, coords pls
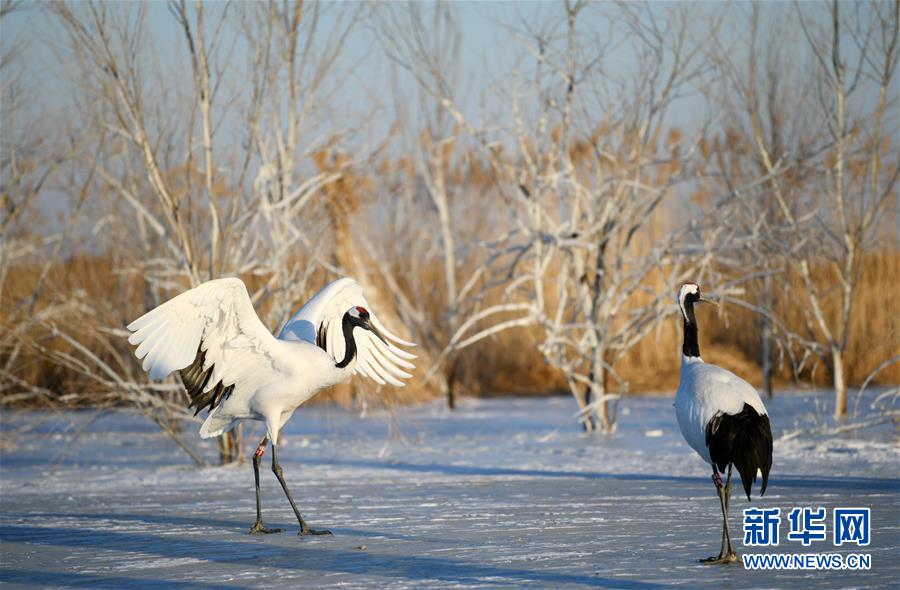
(359, 317)
(688, 295)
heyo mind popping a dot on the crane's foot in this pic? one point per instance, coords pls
(313, 532)
(259, 528)
(722, 558)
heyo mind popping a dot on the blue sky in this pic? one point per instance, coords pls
(486, 52)
(487, 55)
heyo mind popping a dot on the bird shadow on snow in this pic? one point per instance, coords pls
(311, 557)
(236, 526)
(33, 578)
(868, 484)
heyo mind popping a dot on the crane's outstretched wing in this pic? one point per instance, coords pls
(319, 322)
(212, 335)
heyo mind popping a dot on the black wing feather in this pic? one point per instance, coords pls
(195, 380)
(745, 440)
(321, 335)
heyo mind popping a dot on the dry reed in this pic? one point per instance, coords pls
(93, 298)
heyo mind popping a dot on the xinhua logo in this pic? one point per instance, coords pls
(806, 526)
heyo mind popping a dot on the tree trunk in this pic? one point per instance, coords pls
(599, 389)
(230, 446)
(451, 395)
(602, 409)
(840, 383)
(450, 387)
(583, 397)
(449, 381)
(766, 354)
(610, 407)
(587, 422)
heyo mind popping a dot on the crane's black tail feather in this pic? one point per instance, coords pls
(744, 439)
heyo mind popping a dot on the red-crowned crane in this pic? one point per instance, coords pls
(722, 418)
(233, 366)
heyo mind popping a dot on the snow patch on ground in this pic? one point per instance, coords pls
(500, 493)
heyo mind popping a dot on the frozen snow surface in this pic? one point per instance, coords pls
(501, 493)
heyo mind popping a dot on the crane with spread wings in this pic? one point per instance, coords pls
(235, 368)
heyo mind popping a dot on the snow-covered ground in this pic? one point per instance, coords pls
(500, 493)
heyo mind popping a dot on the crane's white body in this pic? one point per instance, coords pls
(704, 391)
(271, 376)
(274, 400)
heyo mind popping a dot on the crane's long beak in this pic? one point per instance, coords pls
(371, 327)
(710, 301)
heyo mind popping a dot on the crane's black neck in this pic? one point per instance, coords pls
(347, 326)
(691, 346)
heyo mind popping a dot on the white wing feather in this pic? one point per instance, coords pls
(381, 362)
(218, 317)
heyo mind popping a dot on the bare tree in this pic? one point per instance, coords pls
(585, 196)
(30, 158)
(425, 44)
(830, 183)
(213, 174)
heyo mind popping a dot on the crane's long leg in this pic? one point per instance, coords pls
(731, 556)
(304, 528)
(258, 526)
(726, 553)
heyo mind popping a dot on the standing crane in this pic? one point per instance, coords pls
(722, 417)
